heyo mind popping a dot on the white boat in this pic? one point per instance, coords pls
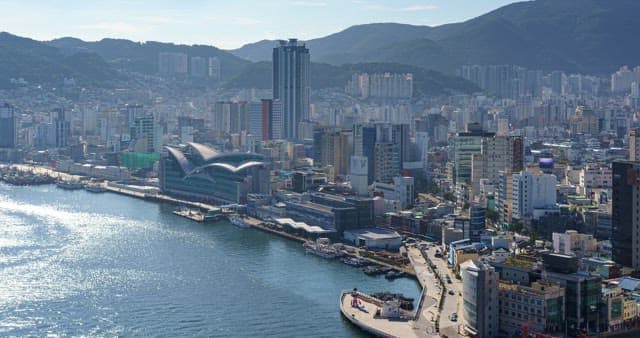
(94, 187)
(321, 247)
(239, 221)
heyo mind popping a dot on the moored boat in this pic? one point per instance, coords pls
(69, 184)
(239, 221)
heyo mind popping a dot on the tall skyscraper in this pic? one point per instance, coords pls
(291, 84)
(8, 127)
(625, 213)
(59, 129)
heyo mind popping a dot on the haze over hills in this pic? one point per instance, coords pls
(587, 36)
(143, 57)
(98, 63)
(323, 75)
(32, 60)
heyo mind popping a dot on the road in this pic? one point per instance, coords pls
(452, 303)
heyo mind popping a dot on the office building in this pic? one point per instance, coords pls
(477, 219)
(144, 135)
(541, 304)
(291, 84)
(230, 116)
(390, 145)
(331, 147)
(533, 195)
(8, 126)
(497, 153)
(466, 145)
(480, 303)
(625, 216)
(583, 294)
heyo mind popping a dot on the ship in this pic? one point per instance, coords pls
(213, 215)
(321, 247)
(94, 187)
(239, 221)
(69, 184)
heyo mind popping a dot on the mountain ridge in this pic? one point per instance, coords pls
(588, 36)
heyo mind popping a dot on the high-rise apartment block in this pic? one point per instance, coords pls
(8, 126)
(291, 85)
(173, 63)
(497, 153)
(622, 79)
(331, 147)
(381, 85)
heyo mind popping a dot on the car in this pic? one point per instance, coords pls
(451, 292)
(453, 317)
(448, 281)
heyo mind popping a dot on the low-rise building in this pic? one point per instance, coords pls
(541, 304)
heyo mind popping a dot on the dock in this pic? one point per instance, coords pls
(366, 317)
(190, 214)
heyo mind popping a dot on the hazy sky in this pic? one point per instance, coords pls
(222, 23)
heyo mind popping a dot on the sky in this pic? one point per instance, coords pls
(225, 24)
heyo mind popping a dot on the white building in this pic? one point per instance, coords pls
(358, 174)
(401, 189)
(573, 243)
(480, 298)
(594, 177)
(531, 192)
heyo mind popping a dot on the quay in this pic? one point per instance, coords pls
(190, 214)
(150, 193)
(423, 322)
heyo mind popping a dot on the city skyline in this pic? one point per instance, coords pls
(224, 25)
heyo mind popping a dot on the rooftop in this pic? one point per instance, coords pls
(374, 233)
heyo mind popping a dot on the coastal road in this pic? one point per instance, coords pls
(428, 309)
(452, 303)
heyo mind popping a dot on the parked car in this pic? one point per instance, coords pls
(451, 292)
(453, 317)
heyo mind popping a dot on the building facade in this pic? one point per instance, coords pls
(625, 216)
(199, 172)
(8, 126)
(291, 84)
(480, 299)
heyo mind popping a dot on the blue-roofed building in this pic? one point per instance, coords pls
(197, 172)
(629, 284)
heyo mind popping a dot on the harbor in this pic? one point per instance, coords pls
(409, 324)
(203, 212)
(129, 267)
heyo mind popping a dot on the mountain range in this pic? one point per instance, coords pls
(587, 36)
